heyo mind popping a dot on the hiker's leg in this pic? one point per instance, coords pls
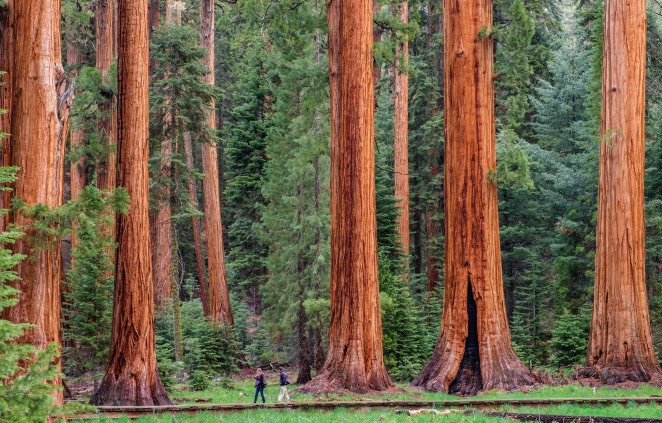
(256, 391)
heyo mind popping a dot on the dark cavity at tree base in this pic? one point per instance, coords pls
(468, 380)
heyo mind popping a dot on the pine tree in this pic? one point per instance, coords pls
(297, 189)
(89, 281)
(246, 159)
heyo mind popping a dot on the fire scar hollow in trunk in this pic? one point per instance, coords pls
(474, 349)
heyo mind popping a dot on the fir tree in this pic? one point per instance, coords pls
(25, 394)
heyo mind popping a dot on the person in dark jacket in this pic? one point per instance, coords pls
(284, 381)
(260, 384)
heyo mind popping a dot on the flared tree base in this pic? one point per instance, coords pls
(458, 368)
(612, 375)
(341, 381)
(469, 380)
(130, 391)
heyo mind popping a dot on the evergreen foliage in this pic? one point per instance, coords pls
(92, 104)
(208, 349)
(296, 223)
(89, 282)
(273, 138)
(25, 370)
(245, 149)
(570, 338)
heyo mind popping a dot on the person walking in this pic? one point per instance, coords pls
(260, 384)
(284, 381)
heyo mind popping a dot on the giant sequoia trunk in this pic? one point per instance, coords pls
(105, 44)
(38, 123)
(377, 38)
(77, 171)
(474, 351)
(219, 298)
(432, 231)
(77, 174)
(106, 52)
(355, 359)
(6, 59)
(162, 227)
(204, 296)
(620, 344)
(401, 131)
(131, 376)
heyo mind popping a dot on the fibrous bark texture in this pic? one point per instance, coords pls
(78, 177)
(401, 158)
(620, 346)
(6, 60)
(219, 298)
(131, 376)
(162, 228)
(432, 232)
(105, 54)
(355, 358)
(377, 38)
(162, 233)
(39, 115)
(105, 46)
(464, 360)
(204, 296)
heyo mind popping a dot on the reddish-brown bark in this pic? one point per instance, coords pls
(131, 376)
(154, 23)
(355, 358)
(432, 231)
(474, 349)
(77, 172)
(219, 297)
(106, 52)
(6, 60)
(38, 129)
(377, 38)
(401, 148)
(620, 346)
(161, 223)
(204, 296)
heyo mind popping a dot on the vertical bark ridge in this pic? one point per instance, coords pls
(105, 54)
(131, 376)
(6, 60)
(38, 124)
(355, 358)
(620, 345)
(162, 227)
(401, 167)
(219, 297)
(204, 296)
(473, 255)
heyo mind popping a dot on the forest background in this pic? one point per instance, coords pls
(272, 110)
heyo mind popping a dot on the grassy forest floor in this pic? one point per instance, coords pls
(242, 391)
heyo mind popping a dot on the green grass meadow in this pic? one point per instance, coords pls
(242, 392)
